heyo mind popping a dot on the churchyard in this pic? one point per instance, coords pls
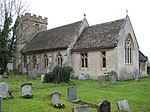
(90, 91)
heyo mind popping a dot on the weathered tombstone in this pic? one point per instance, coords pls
(0, 103)
(123, 106)
(4, 89)
(101, 80)
(55, 98)
(104, 106)
(112, 77)
(26, 90)
(32, 73)
(72, 96)
(81, 109)
(42, 78)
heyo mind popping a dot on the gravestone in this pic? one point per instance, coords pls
(104, 106)
(26, 90)
(32, 73)
(4, 89)
(80, 109)
(83, 77)
(123, 106)
(55, 98)
(42, 78)
(72, 95)
(101, 80)
(112, 77)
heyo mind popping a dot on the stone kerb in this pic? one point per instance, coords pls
(81, 109)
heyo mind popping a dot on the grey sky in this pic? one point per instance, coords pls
(61, 12)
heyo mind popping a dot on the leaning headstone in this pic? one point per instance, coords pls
(26, 90)
(101, 80)
(32, 73)
(112, 77)
(104, 106)
(72, 95)
(80, 109)
(4, 89)
(123, 106)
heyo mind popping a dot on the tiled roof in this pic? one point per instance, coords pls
(103, 35)
(56, 38)
(142, 57)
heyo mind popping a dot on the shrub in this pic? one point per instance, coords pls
(59, 74)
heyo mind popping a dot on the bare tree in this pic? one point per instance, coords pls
(10, 10)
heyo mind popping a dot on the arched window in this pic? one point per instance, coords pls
(128, 49)
(84, 60)
(103, 59)
(59, 59)
(34, 61)
(37, 27)
(25, 61)
(45, 60)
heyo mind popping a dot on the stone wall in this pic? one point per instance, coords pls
(95, 63)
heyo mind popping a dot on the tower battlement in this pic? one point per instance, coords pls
(34, 18)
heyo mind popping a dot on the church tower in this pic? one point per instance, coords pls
(29, 25)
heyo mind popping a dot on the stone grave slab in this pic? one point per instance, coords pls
(104, 106)
(72, 95)
(123, 106)
(101, 79)
(26, 90)
(4, 89)
(55, 98)
(112, 77)
(32, 74)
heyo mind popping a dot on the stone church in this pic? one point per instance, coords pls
(91, 50)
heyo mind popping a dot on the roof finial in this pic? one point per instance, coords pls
(126, 12)
(84, 15)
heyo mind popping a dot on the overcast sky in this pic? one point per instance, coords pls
(61, 12)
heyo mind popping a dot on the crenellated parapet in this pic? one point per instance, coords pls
(34, 18)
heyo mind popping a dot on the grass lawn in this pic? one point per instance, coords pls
(136, 92)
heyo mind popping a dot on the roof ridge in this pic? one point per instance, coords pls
(108, 22)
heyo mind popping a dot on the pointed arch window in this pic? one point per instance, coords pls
(128, 49)
(34, 60)
(45, 60)
(59, 59)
